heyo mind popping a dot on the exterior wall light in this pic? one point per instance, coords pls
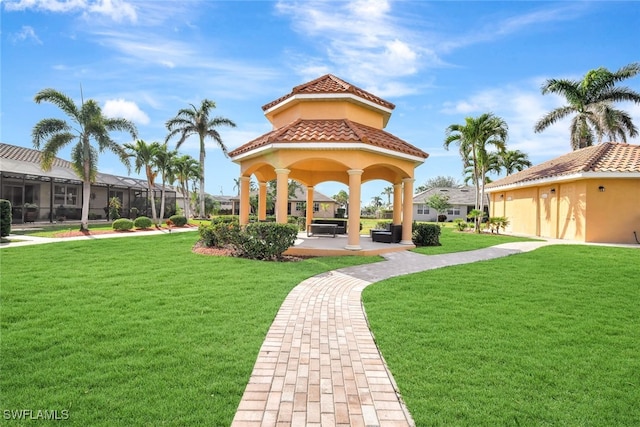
(601, 189)
(553, 191)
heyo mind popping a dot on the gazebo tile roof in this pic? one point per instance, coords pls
(330, 131)
(329, 84)
(607, 157)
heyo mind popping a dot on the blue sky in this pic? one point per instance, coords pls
(438, 62)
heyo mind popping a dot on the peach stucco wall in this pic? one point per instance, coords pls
(575, 210)
(326, 110)
(614, 214)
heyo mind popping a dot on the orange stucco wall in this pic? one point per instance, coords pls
(614, 214)
(326, 110)
(575, 210)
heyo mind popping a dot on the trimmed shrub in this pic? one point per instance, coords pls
(424, 234)
(142, 222)
(134, 212)
(266, 240)
(461, 224)
(122, 224)
(442, 218)
(178, 220)
(224, 219)
(5, 218)
(220, 234)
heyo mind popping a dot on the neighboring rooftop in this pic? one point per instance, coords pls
(457, 195)
(26, 161)
(609, 158)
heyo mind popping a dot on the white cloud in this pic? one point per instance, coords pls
(361, 41)
(125, 109)
(26, 33)
(116, 10)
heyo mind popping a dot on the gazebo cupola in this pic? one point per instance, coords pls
(329, 130)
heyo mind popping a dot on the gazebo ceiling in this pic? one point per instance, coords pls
(329, 134)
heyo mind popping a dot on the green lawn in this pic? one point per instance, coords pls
(453, 240)
(550, 337)
(137, 331)
(142, 331)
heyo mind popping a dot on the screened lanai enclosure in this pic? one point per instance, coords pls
(56, 195)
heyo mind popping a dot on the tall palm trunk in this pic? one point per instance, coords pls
(86, 190)
(162, 201)
(202, 213)
(152, 201)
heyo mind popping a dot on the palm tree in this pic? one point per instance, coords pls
(186, 168)
(196, 121)
(165, 162)
(145, 157)
(615, 123)
(376, 201)
(388, 191)
(591, 100)
(514, 160)
(474, 138)
(89, 124)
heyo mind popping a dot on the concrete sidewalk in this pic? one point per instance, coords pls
(21, 240)
(319, 364)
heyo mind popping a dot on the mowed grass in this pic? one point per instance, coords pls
(550, 337)
(453, 240)
(137, 331)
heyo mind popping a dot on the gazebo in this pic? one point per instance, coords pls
(329, 130)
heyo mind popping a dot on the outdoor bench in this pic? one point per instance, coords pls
(314, 228)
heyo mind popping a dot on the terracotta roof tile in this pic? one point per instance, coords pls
(328, 131)
(330, 84)
(607, 157)
(24, 154)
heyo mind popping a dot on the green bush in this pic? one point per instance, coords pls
(220, 234)
(122, 224)
(224, 219)
(178, 220)
(142, 222)
(424, 234)
(266, 240)
(461, 224)
(5, 218)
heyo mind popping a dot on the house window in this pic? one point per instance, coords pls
(453, 211)
(65, 195)
(118, 194)
(316, 207)
(423, 209)
(300, 206)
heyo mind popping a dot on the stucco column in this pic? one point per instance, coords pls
(397, 203)
(282, 195)
(309, 213)
(353, 234)
(245, 208)
(262, 201)
(407, 211)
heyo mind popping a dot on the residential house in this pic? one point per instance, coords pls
(38, 195)
(462, 200)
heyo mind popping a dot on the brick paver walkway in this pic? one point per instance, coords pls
(319, 364)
